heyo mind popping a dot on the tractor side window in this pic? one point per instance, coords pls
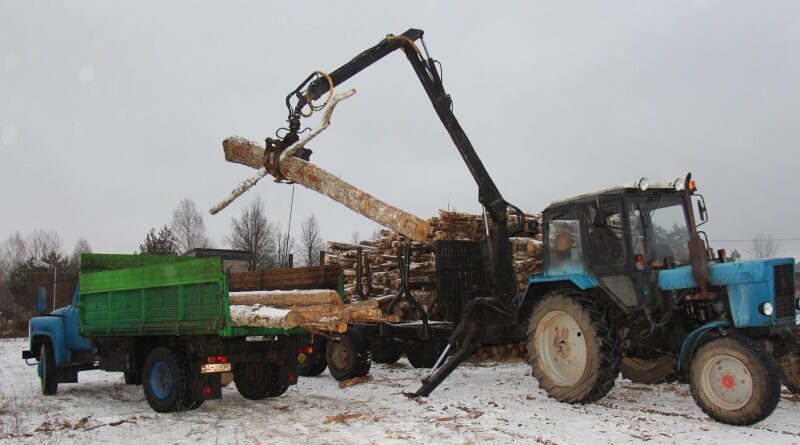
(606, 245)
(565, 254)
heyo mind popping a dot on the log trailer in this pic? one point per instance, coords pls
(627, 279)
(165, 322)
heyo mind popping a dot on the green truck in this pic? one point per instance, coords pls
(164, 321)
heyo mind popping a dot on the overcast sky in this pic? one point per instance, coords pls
(112, 112)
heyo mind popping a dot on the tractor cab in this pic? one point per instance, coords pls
(617, 239)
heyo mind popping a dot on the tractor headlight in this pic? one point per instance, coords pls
(678, 185)
(766, 308)
(643, 184)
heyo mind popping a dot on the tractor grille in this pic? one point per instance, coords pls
(784, 290)
(459, 268)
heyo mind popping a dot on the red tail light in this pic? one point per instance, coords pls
(218, 359)
(292, 379)
(639, 261)
(207, 391)
(305, 350)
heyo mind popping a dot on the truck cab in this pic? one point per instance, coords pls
(624, 256)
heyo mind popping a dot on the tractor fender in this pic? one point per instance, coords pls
(693, 340)
(539, 285)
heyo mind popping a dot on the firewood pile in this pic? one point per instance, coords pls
(382, 258)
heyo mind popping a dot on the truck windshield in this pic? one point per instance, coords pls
(658, 229)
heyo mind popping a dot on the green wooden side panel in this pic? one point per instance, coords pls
(172, 298)
(98, 262)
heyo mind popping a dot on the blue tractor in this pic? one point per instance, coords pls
(629, 285)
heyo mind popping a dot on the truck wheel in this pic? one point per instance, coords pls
(735, 381)
(386, 357)
(314, 364)
(49, 374)
(257, 381)
(348, 356)
(166, 380)
(649, 371)
(572, 347)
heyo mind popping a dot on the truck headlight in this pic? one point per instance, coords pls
(766, 308)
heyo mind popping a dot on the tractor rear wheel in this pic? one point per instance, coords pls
(735, 381)
(649, 371)
(572, 347)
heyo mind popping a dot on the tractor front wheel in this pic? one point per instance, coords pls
(572, 347)
(735, 381)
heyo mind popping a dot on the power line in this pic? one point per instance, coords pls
(751, 239)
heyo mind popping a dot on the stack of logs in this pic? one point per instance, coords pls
(384, 268)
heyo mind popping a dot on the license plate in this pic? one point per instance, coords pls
(215, 367)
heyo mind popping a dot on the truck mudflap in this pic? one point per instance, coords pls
(27, 355)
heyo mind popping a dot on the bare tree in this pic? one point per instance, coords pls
(81, 246)
(188, 226)
(254, 233)
(311, 241)
(286, 247)
(355, 237)
(12, 252)
(41, 244)
(764, 246)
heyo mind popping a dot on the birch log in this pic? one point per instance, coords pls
(286, 299)
(245, 152)
(265, 316)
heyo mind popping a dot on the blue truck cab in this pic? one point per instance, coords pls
(628, 264)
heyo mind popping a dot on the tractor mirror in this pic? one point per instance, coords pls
(41, 300)
(702, 210)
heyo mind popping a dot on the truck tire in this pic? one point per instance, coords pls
(790, 366)
(649, 371)
(348, 356)
(385, 357)
(572, 347)
(315, 363)
(166, 380)
(735, 381)
(49, 376)
(257, 381)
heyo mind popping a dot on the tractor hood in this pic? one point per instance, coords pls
(749, 284)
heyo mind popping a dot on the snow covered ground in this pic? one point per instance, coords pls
(479, 403)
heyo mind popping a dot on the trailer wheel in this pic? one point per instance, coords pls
(348, 356)
(166, 380)
(572, 347)
(316, 363)
(257, 381)
(386, 357)
(735, 381)
(649, 371)
(425, 355)
(49, 374)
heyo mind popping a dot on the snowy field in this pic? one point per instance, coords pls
(479, 403)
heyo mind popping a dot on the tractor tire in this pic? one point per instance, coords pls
(649, 371)
(316, 363)
(386, 357)
(257, 381)
(572, 347)
(790, 371)
(348, 356)
(49, 373)
(166, 380)
(735, 380)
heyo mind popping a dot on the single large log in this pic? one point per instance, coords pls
(286, 299)
(264, 316)
(245, 152)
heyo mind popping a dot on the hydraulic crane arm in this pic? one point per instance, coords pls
(318, 84)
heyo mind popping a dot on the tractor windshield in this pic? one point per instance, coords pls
(658, 229)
